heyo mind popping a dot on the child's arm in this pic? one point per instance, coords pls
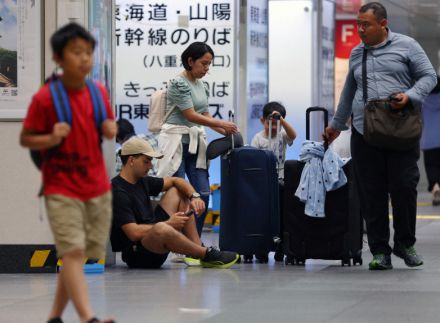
(290, 132)
(109, 129)
(31, 140)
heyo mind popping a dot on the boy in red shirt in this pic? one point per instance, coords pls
(76, 186)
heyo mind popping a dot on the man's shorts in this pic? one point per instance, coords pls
(80, 225)
(138, 257)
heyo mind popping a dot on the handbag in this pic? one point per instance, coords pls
(385, 127)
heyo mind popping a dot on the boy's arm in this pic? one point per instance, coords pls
(108, 126)
(291, 133)
(30, 139)
(109, 129)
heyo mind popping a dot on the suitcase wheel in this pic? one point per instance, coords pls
(300, 261)
(346, 261)
(279, 256)
(247, 259)
(294, 261)
(262, 258)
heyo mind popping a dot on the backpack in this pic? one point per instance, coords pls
(156, 115)
(63, 111)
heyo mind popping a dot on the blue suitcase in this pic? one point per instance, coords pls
(249, 206)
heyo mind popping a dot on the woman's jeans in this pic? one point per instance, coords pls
(199, 179)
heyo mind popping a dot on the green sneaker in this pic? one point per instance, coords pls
(219, 259)
(380, 262)
(409, 255)
(191, 262)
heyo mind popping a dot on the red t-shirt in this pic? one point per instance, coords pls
(77, 169)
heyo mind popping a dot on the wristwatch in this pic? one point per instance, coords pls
(194, 195)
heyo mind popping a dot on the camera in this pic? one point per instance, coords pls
(275, 116)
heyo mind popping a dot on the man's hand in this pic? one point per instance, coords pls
(330, 134)
(178, 220)
(60, 131)
(197, 205)
(399, 101)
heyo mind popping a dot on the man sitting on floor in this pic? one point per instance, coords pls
(144, 236)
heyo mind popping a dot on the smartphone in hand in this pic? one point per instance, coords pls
(190, 212)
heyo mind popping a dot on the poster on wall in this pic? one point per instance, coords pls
(20, 56)
(150, 37)
(257, 64)
(346, 39)
(100, 24)
(348, 6)
(327, 56)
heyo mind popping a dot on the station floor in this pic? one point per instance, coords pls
(320, 291)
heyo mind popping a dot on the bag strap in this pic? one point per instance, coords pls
(62, 108)
(61, 101)
(99, 110)
(364, 76)
(167, 115)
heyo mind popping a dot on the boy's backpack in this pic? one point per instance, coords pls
(156, 115)
(63, 111)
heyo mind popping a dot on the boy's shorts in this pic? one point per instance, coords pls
(80, 225)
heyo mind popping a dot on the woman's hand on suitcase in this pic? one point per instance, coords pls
(229, 127)
(330, 134)
(178, 220)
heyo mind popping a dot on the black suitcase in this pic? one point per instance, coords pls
(336, 236)
(249, 206)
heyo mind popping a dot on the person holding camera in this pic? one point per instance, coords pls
(285, 136)
(146, 236)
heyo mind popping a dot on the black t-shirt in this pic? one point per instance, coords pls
(132, 204)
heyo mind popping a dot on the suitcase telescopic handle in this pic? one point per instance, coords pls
(232, 119)
(316, 109)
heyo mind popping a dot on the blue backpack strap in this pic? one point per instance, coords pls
(63, 111)
(60, 101)
(98, 103)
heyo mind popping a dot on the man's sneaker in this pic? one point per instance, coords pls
(409, 255)
(436, 197)
(191, 262)
(380, 262)
(177, 257)
(219, 259)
